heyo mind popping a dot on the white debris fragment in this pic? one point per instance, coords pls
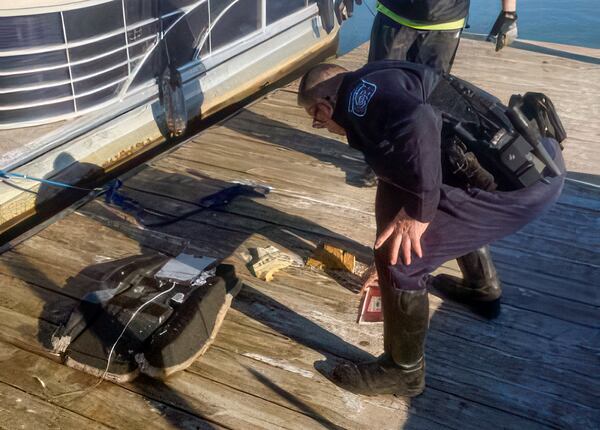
(42, 383)
(101, 259)
(352, 401)
(204, 277)
(184, 268)
(280, 364)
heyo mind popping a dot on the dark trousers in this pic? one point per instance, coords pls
(465, 220)
(433, 48)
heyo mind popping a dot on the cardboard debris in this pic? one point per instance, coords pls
(329, 257)
(370, 310)
(266, 261)
(342, 266)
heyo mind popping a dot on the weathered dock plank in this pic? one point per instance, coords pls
(107, 404)
(20, 410)
(534, 367)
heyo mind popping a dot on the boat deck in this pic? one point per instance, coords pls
(536, 366)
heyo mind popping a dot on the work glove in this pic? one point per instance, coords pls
(504, 30)
(344, 9)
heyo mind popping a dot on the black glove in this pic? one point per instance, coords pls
(344, 9)
(504, 30)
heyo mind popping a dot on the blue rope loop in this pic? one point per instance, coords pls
(113, 197)
(144, 216)
(219, 199)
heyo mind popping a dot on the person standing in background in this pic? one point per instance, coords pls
(428, 31)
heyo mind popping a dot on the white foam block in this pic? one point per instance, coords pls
(184, 268)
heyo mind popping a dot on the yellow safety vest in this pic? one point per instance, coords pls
(418, 25)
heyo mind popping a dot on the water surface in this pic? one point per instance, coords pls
(570, 22)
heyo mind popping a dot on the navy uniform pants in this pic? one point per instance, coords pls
(465, 221)
(393, 41)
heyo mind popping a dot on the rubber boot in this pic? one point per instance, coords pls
(479, 288)
(400, 370)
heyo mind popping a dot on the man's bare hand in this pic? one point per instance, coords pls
(405, 234)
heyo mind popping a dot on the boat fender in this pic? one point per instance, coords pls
(152, 218)
(327, 14)
(173, 101)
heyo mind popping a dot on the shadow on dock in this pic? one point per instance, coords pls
(324, 149)
(195, 228)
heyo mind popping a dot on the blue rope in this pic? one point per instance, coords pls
(8, 175)
(114, 198)
(143, 215)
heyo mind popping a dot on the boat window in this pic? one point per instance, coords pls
(95, 83)
(37, 113)
(39, 61)
(140, 10)
(147, 70)
(277, 9)
(140, 48)
(170, 6)
(185, 30)
(142, 31)
(89, 68)
(27, 31)
(98, 97)
(32, 97)
(86, 51)
(73, 61)
(28, 80)
(93, 21)
(232, 20)
(187, 34)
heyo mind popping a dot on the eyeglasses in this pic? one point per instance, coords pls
(317, 123)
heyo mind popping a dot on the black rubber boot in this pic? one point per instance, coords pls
(401, 369)
(480, 287)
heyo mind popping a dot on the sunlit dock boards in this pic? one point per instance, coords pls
(536, 366)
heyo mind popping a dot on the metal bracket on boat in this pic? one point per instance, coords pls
(153, 314)
(330, 10)
(173, 101)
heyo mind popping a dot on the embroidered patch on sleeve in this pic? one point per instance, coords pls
(360, 98)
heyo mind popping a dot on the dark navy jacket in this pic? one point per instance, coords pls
(383, 109)
(428, 11)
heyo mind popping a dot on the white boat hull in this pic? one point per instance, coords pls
(99, 143)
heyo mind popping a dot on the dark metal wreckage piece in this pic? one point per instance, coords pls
(153, 314)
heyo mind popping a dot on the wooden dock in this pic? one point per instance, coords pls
(536, 366)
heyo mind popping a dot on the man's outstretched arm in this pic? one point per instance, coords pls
(411, 162)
